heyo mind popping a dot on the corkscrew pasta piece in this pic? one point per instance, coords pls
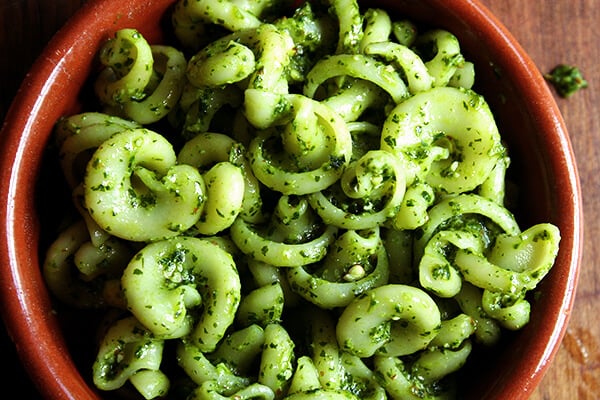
(264, 274)
(324, 350)
(209, 391)
(130, 352)
(225, 189)
(293, 237)
(78, 272)
(198, 108)
(394, 377)
(454, 331)
(447, 56)
(135, 190)
(240, 348)
(391, 319)
(355, 98)
(494, 187)
(362, 377)
(434, 364)
(345, 274)
(378, 27)
(263, 305)
(231, 15)
(422, 376)
(81, 133)
(221, 63)
(305, 378)
(142, 82)
(454, 143)
(373, 188)
(414, 68)
(405, 31)
(129, 63)
(277, 253)
(326, 135)
(322, 394)
(357, 66)
(523, 260)
(167, 277)
(350, 22)
(436, 272)
(413, 211)
(511, 311)
(201, 370)
(169, 64)
(277, 360)
(487, 329)
(464, 204)
(209, 148)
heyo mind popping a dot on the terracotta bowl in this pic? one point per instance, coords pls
(543, 168)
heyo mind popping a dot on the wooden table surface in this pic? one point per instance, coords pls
(551, 31)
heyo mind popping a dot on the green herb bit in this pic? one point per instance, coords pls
(566, 79)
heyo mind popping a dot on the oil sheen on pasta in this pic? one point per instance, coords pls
(290, 204)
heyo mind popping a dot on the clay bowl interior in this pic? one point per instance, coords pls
(542, 168)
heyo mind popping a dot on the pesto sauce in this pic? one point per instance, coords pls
(566, 79)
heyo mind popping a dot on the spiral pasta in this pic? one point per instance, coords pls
(291, 205)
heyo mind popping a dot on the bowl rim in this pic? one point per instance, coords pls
(25, 314)
(572, 220)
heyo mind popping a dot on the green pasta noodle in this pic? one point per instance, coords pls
(57, 269)
(447, 56)
(363, 380)
(290, 203)
(198, 107)
(414, 68)
(209, 148)
(345, 273)
(450, 164)
(357, 66)
(118, 359)
(276, 364)
(209, 390)
(172, 267)
(262, 306)
(322, 394)
(366, 180)
(292, 180)
(79, 133)
(436, 272)
(143, 211)
(201, 370)
(240, 349)
(453, 332)
(354, 99)
(227, 14)
(377, 27)
(277, 253)
(365, 326)
(306, 377)
(225, 190)
(435, 364)
(221, 63)
(469, 300)
(324, 349)
(161, 98)
(129, 62)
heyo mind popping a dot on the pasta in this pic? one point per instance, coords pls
(291, 204)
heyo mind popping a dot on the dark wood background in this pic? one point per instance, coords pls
(551, 31)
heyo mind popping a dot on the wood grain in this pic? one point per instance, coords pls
(552, 32)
